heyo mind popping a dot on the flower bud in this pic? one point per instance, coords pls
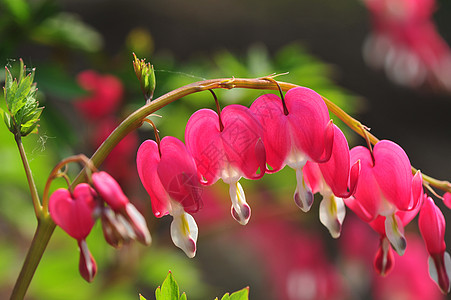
(87, 265)
(109, 190)
(146, 76)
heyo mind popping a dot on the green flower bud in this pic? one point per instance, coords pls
(146, 76)
(23, 109)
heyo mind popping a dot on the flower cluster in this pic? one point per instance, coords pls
(76, 211)
(406, 43)
(295, 131)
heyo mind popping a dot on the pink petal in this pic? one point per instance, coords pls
(384, 260)
(358, 209)
(203, 140)
(178, 174)
(336, 170)
(109, 190)
(147, 161)
(393, 173)
(432, 227)
(313, 175)
(74, 213)
(269, 111)
(367, 192)
(447, 199)
(241, 138)
(308, 118)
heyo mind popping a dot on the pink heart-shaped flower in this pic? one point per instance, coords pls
(74, 213)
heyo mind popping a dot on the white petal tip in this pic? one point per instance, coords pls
(243, 216)
(305, 201)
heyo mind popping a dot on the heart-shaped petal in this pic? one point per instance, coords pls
(74, 213)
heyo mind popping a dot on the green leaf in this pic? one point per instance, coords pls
(169, 290)
(19, 9)
(21, 94)
(141, 297)
(239, 295)
(68, 30)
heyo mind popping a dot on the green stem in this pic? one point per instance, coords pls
(44, 231)
(33, 191)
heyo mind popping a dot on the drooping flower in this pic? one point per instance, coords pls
(334, 180)
(229, 147)
(409, 279)
(74, 213)
(387, 196)
(295, 132)
(169, 174)
(125, 215)
(432, 227)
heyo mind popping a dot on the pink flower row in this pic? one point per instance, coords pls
(296, 130)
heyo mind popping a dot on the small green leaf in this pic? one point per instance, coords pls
(169, 289)
(21, 94)
(141, 297)
(239, 295)
(183, 296)
(225, 297)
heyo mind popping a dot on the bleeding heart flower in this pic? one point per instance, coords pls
(106, 94)
(334, 180)
(295, 132)
(432, 227)
(386, 189)
(227, 148)
(169, 174)
(110, 191)
(74, 213)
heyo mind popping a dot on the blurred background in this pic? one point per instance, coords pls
(355, 53)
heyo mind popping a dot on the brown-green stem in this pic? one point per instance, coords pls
(44, 231)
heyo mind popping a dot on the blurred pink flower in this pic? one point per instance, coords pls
(405, 42)
(295, 261)
(105, 95)
(409, 279)
(121, 160)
